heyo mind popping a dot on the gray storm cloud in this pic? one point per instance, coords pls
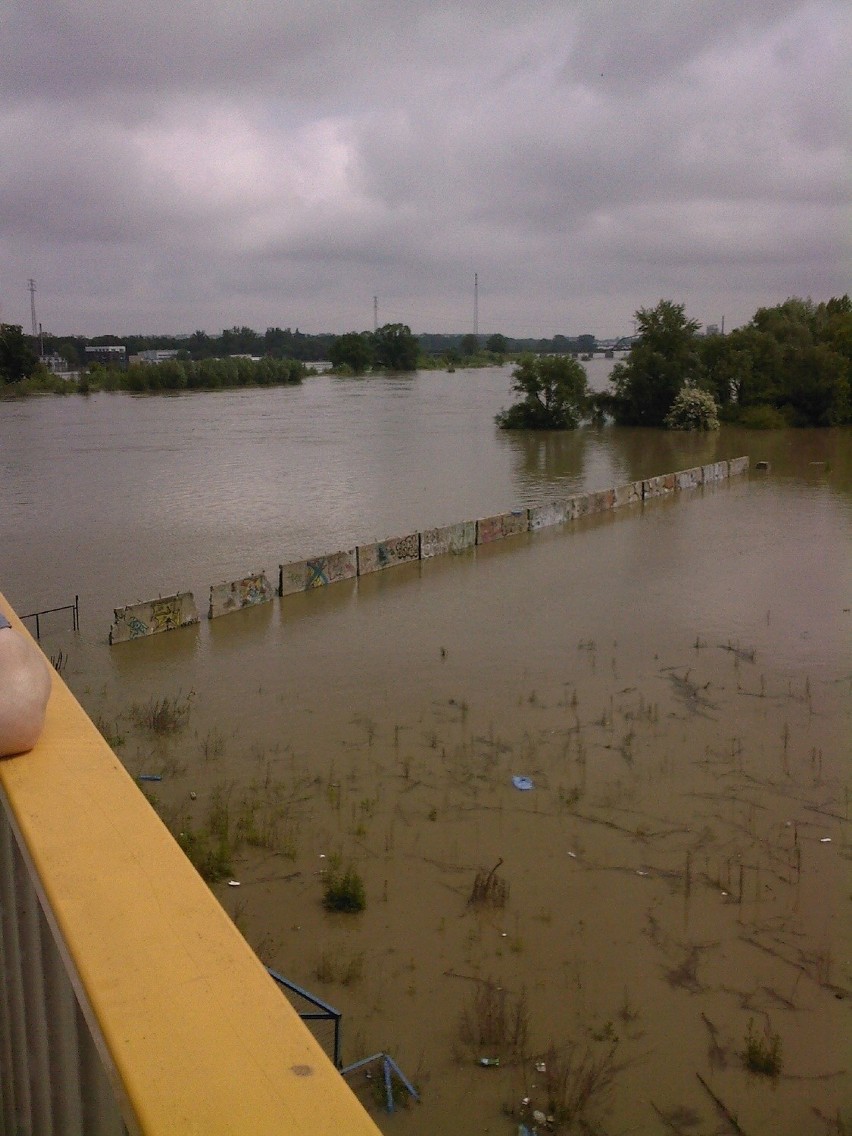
(202, 164)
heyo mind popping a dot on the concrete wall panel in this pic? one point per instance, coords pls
(153, 616)
(737, 466)
(601, 500)
(489, 529)
(582, 504)
(332, 568)
(302, 575)
(572, 511)
(251, 590)
(293, 577)
(553, 513)
(658, 486)
(716, 471)
(689, 478)
(518, 521)
(629, 494)
(449, 538)
(388, 553)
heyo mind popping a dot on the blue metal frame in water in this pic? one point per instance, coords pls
(390, 1069)
(326, 1012)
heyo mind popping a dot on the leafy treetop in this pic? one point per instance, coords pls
(665, 356)
(555, 394)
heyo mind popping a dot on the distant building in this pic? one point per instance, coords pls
(153, 356)
(711, 329)
(108, 355)
(55, 363)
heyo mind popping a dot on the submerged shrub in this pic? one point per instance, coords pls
(164, 715)
(761, 417)
(344, 891)
(762, 1054)
(693, 409)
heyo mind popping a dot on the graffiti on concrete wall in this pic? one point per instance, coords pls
(247, 592)
(502, 525)
(447, 539)
(169, 612)
(387, 553)
(153, 616)
(329, 569)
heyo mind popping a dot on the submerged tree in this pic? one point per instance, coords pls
(395, 347)
(555, 394)
(665, 356)
(353, 350)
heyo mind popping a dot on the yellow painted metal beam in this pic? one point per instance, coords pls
(199, 1039)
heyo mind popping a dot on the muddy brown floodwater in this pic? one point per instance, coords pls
(670, 895)
(673, 880)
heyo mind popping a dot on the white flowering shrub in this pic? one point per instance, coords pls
(693, 409)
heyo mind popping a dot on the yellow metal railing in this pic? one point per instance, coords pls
(130, 1002)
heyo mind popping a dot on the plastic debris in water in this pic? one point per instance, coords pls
(489, 1062)
(540, 1067)
(522, 782)
(149, 777)
(825, 840)
(233, 883)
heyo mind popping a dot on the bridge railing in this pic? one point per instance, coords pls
(129, 1002)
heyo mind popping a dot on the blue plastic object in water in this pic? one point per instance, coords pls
(522, 782)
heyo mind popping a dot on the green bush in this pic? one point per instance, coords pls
(209, 853)
(693, 409)
(761, 417)
(344, 891)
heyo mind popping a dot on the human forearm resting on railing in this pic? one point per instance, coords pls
(24, 691)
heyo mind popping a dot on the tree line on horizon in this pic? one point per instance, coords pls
(276, 343)
(791, 364)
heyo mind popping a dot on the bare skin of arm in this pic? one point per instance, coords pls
(24, 691)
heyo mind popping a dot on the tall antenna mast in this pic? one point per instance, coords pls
(375, 313)
(476, 304)
(32, 290)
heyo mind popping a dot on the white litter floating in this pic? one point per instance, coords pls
(233, 883)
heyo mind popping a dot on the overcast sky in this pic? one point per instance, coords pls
(203, 163)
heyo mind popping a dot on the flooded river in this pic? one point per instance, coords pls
(670, 895)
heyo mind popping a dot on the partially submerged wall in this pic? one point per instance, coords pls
(449, 538)
(717, 471)
(153, 616)
(689, 478)
(247, 592)
(317, 572)
(629, 494)
(553, 513)
(179, 610)
(502, 525)
(387, 553)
